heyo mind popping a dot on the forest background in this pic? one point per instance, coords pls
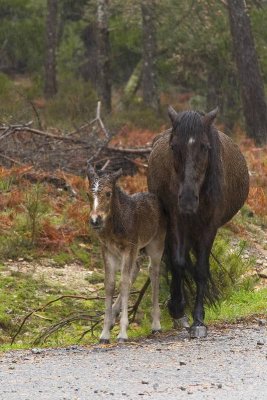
(58, 58)
(136, 57)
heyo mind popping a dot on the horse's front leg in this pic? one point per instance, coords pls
(202, 275)
(129, 263)
(110, 263)
(177, 256)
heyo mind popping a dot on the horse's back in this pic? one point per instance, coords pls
(235, 177)
(160, 166)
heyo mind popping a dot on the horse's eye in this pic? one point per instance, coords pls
(108, 194)
(204, 147)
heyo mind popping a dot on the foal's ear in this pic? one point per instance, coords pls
(116, 175)
(91, 174)
(172, 114)
(210, 117)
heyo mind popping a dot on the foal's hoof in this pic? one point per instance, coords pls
(122, 340)
(198, 331)
(156, 331)
(181, 323)
(104, 341)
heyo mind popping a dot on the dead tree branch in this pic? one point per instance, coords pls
(95, 316)
(144, 150)
(139, 299)
(23, 144)
(26, 127)
(43, 307)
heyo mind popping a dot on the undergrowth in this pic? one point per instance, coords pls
(41, 221)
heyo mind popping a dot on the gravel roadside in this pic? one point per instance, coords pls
(231, 363)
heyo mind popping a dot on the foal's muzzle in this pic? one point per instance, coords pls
(96, 222)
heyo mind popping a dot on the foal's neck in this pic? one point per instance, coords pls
(119, 211)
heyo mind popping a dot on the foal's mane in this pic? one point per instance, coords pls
(190, 124)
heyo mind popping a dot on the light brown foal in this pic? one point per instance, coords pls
(125, 224)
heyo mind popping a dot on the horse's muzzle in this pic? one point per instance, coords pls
(188, 204)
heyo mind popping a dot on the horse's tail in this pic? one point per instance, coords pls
(188, 273)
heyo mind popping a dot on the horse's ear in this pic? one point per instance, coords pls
(116, 175)
(91, 174)
(210, 117)
(172, 114)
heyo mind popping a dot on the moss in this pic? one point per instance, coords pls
(96, 277)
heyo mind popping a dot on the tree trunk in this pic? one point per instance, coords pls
(149, 80)
(252, 89)
(104, 74)
(50, 80)
(132, 85)
(89, 68)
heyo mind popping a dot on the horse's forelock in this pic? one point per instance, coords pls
(188, 125)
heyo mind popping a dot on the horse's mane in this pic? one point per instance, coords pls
(214, 175)
(190, 125)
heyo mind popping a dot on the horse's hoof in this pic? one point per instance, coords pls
(122, 340)
(181, 323)
(198, 331)
(104, 341)
(156, 331)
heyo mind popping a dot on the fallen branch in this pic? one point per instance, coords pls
(42, 308)
(94, 317)
(142, 292)
(64, 322)
(137, 163)
(97, 119)
(11, 160)
(26, 127)
(144, 150)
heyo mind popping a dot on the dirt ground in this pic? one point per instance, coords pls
(229, 364)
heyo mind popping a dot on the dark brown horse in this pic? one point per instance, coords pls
(201, 179)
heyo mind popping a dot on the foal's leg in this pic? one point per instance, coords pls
(129, 263)
(116, 308)
(155, 250)
(110, 270)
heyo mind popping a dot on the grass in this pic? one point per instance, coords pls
(38, 221)
(240, 304)
(20, 293)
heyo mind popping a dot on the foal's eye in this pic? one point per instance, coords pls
(108, 194)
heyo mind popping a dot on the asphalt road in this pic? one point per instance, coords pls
(231, 363)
